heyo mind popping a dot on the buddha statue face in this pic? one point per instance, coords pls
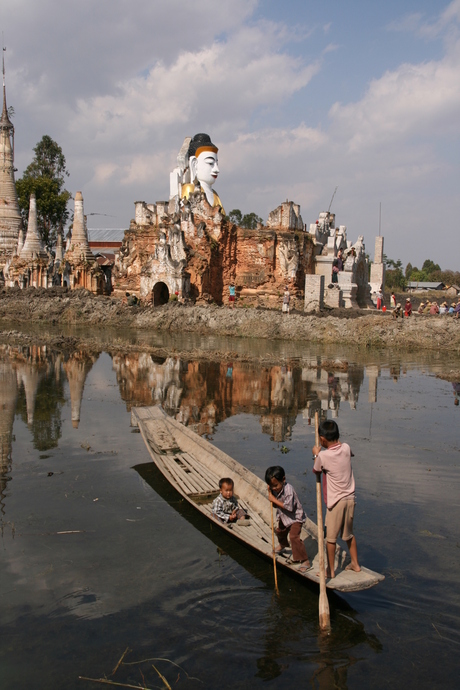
(205, 168)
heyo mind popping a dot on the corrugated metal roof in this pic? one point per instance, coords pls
(106, 234)
(425, 285)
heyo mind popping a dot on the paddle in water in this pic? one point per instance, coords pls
(324, 615)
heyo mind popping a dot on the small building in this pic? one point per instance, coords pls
(453, 290)
(419, 286)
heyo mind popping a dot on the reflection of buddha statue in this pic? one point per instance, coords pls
(203, 168)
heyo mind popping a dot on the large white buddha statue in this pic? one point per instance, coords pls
(204, 169)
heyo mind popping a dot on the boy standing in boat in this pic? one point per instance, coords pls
(290, 515)
(225, 506)
(339, 492)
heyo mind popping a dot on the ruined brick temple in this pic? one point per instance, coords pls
(186, 248)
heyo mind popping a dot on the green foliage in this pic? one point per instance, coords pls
(432, 272)
(394, 276)
(408, 270)
(390, 263)
(236, 216)
(418, 276)
(429, 266)
(248, 221)
(46, 176)
(395, 280)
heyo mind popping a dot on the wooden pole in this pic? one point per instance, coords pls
(324, 615)
(274, 552)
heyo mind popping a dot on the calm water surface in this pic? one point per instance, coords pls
(98, 554)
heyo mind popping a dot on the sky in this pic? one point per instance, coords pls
(300, 97)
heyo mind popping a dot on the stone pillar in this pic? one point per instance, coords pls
(377, 279)
(314, 293)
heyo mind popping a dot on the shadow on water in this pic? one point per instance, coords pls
(295, 611)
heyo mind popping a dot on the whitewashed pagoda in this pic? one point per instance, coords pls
(10, 215)
(79, 261)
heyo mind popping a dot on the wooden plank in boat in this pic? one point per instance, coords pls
(185, 481)
(156, 430)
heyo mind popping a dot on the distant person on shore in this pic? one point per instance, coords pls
(339, 490)
(397, 311)
(457, 310)
(286, 300)
(393, 300)
(379, 298)
(225, 506)
(427, 307)
(443, 308)
(434, 309)
(231, 295)
(339, 260)
(290, 515)
(452, 308)
(408, 307)
(335, 271)
(421, 308)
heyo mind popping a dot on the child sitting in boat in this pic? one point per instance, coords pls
(225, 506)
(335, 462)
(290, 515)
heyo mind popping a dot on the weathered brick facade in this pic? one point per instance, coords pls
(198, 252)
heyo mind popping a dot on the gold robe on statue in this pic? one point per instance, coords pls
(189, 188)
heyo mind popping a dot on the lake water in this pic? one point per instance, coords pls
(100, 555)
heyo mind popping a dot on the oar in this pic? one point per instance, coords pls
(274, 553)
(324, 615)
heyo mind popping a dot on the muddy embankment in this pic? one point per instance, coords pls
(62, 308)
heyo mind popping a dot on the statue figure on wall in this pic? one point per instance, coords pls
(288, 258)
(204, 169)
(176, 245)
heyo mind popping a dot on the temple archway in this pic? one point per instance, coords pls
(160, 294)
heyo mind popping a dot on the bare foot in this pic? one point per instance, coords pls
(328, 575)
(353, 566)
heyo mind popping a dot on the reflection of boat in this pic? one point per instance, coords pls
(194, 466)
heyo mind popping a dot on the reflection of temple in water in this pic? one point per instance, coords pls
(8, 398)
(202, 394)
(77, 367)
(331, 388)
(31, 386)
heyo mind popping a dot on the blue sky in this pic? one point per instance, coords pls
(300, 97)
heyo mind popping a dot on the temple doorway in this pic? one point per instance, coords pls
(160, 294)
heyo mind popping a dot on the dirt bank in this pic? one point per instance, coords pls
(364, 328)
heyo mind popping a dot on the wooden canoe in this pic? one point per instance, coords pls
(193, 466)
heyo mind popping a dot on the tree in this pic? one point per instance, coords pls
(248, 221)
(251, 221)
(46, 176)
(429, 266)
(408, 271)
(394, 276)
(236, 216)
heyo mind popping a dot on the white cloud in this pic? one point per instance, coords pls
(119, 84)
(412, 101)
